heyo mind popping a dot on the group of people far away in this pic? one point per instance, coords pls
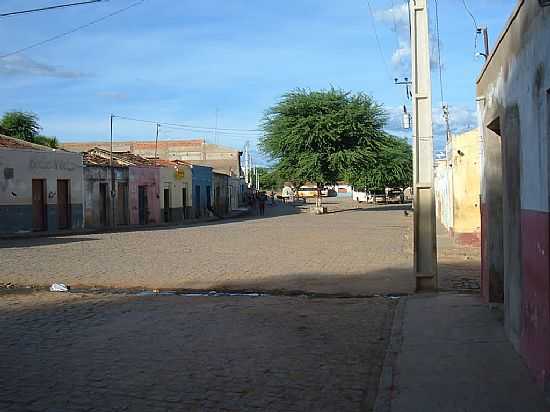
(257, 201)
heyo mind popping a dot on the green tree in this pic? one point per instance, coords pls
(319, 136)
(269, 179)
(25, 126)
(390, 167)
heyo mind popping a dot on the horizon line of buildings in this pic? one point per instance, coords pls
(49, 190)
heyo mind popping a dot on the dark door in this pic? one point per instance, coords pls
(167, 205)
(122, 204)
(39, 205)
(103, 205)
(63, 204)
(197, 201)
(142, 204)
(184, 201)
(208, 198)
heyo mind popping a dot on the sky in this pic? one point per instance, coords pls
(223, 63)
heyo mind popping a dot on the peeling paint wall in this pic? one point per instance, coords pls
(149, 178)
(17, 170)
(514, 94)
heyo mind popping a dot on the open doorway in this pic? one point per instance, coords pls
(491, 215)
(39, 217)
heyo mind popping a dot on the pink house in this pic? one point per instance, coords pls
(144, 196)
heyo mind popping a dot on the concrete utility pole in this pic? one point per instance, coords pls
(112, 178)
(246, 164)
(425, 247)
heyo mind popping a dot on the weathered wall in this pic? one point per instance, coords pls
(176, 179)
(221, 193)
(442, 183)
(149, 177)
(514, 89)
(201, 177)
(466, 181)
(17, 170)
(93, 177)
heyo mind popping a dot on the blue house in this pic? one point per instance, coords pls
(202, 189)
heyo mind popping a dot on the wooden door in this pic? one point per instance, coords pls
(122, 203)
(63, 204)
(103, 205)
(142, 204)
(166, 206)
(39, 221)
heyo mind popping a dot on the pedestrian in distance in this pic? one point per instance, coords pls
(261, 202)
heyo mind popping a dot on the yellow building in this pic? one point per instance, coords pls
(457, 185)
(175, 191)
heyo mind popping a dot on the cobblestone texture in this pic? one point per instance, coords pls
(72, 352)
(358, 251)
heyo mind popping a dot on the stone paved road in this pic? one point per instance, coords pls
(72, 352)
(358, 251)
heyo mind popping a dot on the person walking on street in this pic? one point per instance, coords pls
(261, 203)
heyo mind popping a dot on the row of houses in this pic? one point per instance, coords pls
(44, 189)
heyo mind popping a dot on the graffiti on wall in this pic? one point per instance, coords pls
(46, 164)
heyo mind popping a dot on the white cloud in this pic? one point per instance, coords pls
(22, 65)
(397, 17)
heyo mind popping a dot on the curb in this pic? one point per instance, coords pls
(119, 229)
(389, 375)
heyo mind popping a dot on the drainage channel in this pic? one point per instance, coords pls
(191, 293)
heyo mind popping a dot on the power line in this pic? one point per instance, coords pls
(188, 126)
(58, 36)
(58, 6)
(438, 50)
(444, 107)
(471, 14)
(378, 39)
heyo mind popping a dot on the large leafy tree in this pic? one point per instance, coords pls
(316, 135)
(25, 126)
(390, 167)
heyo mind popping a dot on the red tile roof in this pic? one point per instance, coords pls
(8, 142)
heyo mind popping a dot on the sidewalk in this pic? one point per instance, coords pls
(449, 353)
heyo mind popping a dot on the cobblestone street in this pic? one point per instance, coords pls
(356, 251)
(115, 350)
(72, 352)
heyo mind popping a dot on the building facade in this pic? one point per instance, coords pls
(220, 182)
(98, 206)
(224, 159)
(175, 196)
(457, 188)
(513, 94)
(40, 188)
(202, 190)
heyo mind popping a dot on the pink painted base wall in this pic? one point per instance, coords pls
(484, 283)
(535, 311)
(144, 176)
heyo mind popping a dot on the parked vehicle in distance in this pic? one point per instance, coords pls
(311, 191)
(395, 196)
(377, 196)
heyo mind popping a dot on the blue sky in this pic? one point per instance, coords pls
(181, 61)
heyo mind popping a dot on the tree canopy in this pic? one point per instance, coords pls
(323, 136)
(25, 126)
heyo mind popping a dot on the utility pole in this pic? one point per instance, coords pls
(425, 246)
(483, 30)
(216, 128)
(157, 144)
(112, 177)
(246, 164)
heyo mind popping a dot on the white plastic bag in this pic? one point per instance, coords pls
(59, 287)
